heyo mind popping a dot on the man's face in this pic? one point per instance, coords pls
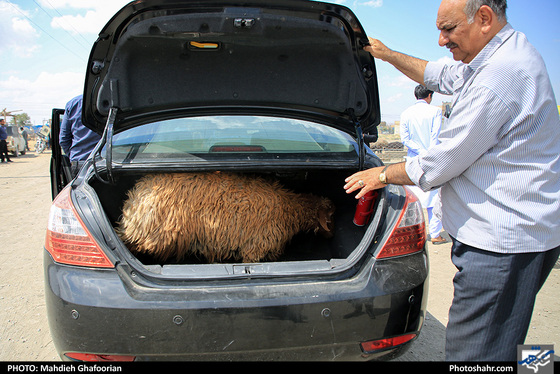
(462, 38)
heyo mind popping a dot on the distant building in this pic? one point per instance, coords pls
(384, 128)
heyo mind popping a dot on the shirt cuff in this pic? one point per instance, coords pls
(412, 167)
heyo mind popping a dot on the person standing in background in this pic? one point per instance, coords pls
(420, 127)
(76, 140)
(25, 137)
(3, 144)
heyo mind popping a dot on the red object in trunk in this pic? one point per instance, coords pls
(364, 208)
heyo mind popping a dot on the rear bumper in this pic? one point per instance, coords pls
(105, 312)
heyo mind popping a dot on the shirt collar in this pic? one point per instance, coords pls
(491, 47)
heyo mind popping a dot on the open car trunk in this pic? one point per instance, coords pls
(305, 252)
(282, 88)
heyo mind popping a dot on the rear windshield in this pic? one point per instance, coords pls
(231, 138)
(12, 131)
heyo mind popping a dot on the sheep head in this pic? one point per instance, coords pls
(325, 218)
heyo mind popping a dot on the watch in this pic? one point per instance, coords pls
(383, 177)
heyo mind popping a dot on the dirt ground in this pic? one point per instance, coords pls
(25, 199)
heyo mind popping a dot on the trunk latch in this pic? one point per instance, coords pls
(243, 23)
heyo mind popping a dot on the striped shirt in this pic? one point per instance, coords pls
(498, 162)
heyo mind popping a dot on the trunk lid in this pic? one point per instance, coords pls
(301, 59)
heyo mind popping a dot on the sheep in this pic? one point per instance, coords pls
(218, 216)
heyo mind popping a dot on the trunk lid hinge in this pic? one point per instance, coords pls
(107, 140)
(359, 138)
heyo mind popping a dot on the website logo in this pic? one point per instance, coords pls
(533, 359)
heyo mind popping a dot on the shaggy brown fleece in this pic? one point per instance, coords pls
(219, 216)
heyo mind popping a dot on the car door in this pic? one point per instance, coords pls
(60, 163)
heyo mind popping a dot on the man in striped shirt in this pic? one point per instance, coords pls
(498, 164)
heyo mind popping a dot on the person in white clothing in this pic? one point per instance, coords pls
(420, 126)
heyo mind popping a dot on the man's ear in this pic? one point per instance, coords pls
(487, 17)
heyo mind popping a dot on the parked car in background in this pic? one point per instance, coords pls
(16, 143)
(280, 90)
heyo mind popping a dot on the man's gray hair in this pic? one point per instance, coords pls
(498, 6)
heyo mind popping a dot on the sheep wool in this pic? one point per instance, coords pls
(218, 216)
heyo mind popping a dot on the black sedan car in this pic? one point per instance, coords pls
(273, 90)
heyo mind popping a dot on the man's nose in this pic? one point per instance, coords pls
(443, 39)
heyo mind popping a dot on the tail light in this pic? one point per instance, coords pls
(382, 344)
(92, 357)
(68, 241)
(409, 234)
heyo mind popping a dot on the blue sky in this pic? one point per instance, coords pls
(44, 46)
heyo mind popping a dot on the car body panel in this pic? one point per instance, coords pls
(15, 141)
(317, 319)
(60, 163)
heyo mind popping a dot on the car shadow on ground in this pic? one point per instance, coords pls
(430, 345)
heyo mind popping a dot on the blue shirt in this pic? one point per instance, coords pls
(76, 140)
(499, 158)
(3, 133)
